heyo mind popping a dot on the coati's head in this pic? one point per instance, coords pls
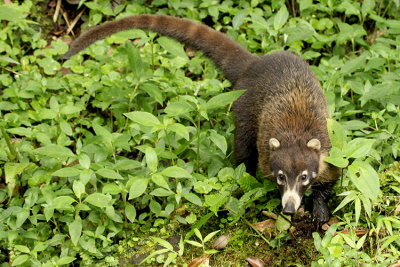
(295, 169)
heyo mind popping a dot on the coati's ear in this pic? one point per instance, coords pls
(314, 144)
(274, 144)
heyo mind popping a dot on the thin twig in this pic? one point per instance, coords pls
(74, 22)
(67, 21)
(57, 11)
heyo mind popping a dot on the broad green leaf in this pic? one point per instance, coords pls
(75, 230)
(223, 99)
(154, 91)
(66, 172)
(238, 19)
(151, 159)
(159, 180)
(176, 172)
(180, 129)
(346, 200)
(357, 207)
(336, 158)
(101, 131)
(110, 174)
(135, 61)
(10, 13)
(337, 134)
(98, 200)
(365, 179)
(178, 108)
(281, 224)
(163, 243)
(66, 128)
(219, 141)
(112, 189)
(65, 260)
(22, 248)
(19, 260)
(22, 215)
(143, 118)
(194, 243)
(138, 187)
(162, 192)
(11, 170)
(280, 18)
(54, 151)
(155, 207)
(193, 198)
(79, 188)
(63, 202)
(172, 46)
(358, 148)
(130, 212)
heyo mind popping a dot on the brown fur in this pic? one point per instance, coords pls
(283, 100)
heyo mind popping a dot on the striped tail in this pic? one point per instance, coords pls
(227, 54)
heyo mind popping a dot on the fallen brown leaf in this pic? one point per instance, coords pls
(333, 220)
(203, 259)
(255, 262)
(397, 210)
(270, 214)
(221, 242)
(262, 226)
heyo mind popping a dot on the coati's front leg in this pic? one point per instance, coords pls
(320, 197)
(245, 148)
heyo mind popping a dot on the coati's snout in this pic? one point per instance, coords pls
(295, 169)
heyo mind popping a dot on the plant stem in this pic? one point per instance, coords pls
(261, 235)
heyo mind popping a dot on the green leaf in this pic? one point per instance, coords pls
(138, 187)
(178, 108)
(135, 61)
(112, 189)
(10, 13)
(65, 260)
(336, 158)
(153, 91)
(198, 234)
(219, 141)
(20, 260)
(143, 118)
(346, 200)
(151, 159)
(155, 207)
(193, 198)
(282, 224)
(337, 134)
(79, 188)
(11, 170)
(22, 215)
(75, 230)
(98, 200)
(223, 99)
(159, 180)
(66, 172)
(54, 151)
(365, 179)
(357, 208)
(179, 129)
(130, 212)
(110, 174)
(63, 202)
(22, 248)
(238, 19)
(210, 235)
(162, 192)
(194, 243)
(163, 243)
(358, 148)
(172, 46)
(280, 18)
(101, 131)
(176, 172)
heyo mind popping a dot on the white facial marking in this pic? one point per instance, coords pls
(291, 195)
(307, 181)
(314, 174)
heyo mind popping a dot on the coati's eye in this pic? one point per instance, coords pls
(304, 177)
(280, 179)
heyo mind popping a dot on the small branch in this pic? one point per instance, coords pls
(260, 234)
(57, 11)
(74, 22)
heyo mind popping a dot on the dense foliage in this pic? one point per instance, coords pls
(133, 138)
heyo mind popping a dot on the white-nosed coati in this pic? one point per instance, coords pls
(281, 118)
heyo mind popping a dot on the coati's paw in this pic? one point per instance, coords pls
(320, 215)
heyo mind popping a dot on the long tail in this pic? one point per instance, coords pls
(227, 54)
